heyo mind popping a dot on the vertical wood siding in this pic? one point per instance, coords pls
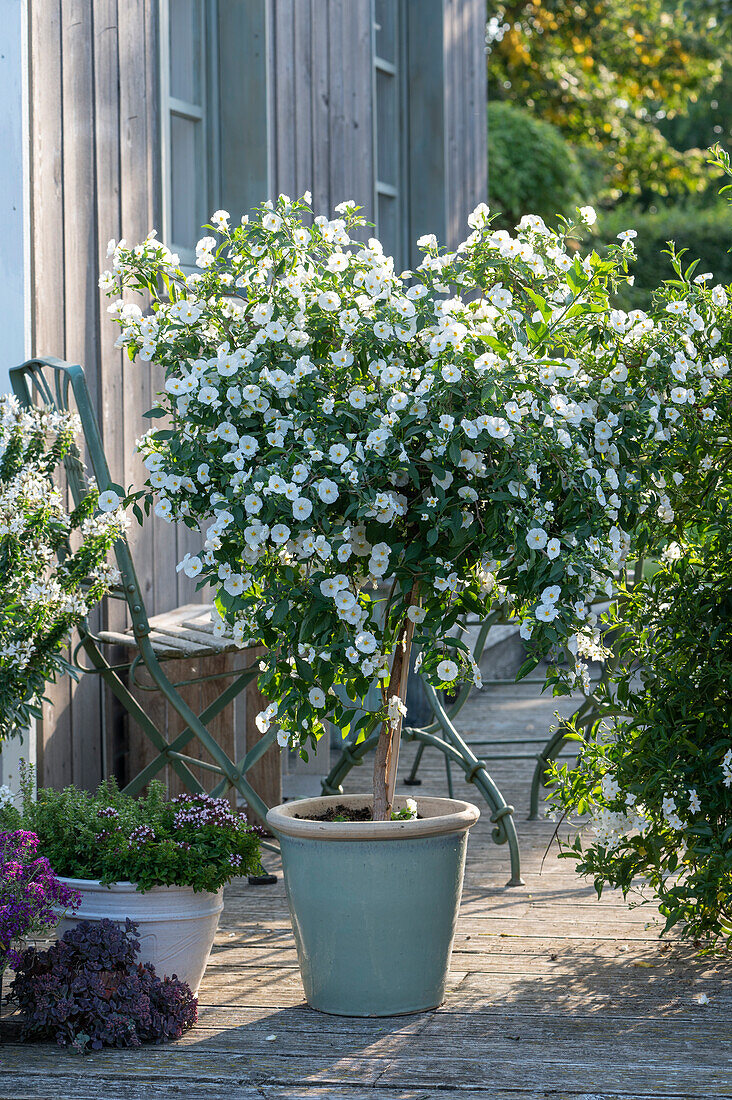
(466, 164)
(320, 101)
(95, 175)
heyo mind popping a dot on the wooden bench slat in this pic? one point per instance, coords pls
(185, 633)
(112, 637)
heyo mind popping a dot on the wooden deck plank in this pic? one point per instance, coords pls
(81, 1088)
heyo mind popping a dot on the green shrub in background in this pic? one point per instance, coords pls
(705, 232)
(531, 168)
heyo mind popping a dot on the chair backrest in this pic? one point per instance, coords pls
(62, 386)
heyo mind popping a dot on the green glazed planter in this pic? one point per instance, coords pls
(373, 904)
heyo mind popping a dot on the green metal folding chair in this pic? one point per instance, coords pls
(184, 633)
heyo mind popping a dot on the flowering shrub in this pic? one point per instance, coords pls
(88, 992)
(29, 890)
(191, 840)
(485, 428)
(655, 770)
(53, 565)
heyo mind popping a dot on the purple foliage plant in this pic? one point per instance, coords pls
(87, 991)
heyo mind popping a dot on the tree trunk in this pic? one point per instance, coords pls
(387, 749)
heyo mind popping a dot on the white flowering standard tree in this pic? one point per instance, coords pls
(53, 564)
(485, 428)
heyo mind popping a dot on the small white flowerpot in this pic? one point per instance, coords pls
(176, 924)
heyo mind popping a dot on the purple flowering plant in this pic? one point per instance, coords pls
(191, 840)
(30, 893)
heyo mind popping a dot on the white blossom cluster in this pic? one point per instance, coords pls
(612, 827)
(613, 824)
(727, 768)
(53, 565)
(361, 443)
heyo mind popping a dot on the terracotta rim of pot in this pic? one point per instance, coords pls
(438, 817)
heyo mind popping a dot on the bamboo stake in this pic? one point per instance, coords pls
(386, 760)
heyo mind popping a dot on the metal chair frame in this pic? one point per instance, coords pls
(53, 382)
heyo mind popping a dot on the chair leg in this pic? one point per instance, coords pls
(411, 780)
(131, 705)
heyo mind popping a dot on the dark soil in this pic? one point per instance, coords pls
(339, 813)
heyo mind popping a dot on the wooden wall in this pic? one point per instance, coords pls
(95, 175)
(320, 101)
(465, 137)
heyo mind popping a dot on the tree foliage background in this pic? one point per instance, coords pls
(617, 77)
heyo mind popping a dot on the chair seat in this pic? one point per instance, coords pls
(188, 631)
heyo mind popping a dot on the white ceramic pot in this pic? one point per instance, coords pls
(177, 925)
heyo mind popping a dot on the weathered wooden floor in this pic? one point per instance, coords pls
(552, 994)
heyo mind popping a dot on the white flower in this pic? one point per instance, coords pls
(479, 216)
(190, 565)
(301, 508)
(537, 538)
(220, 219)
(588, 214)
(365, 641)
(253, 503)
(317, 697)
(416, 614)
(496, 426)
(396, 709)
(235, 584)
(327, 490)
(329, 301)
(447, 671)
(108, 501)
(553, 548)
(280, 533)
(338, 453)
(546, 613)
(344, 599)
(610, 786)
(451, 373)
